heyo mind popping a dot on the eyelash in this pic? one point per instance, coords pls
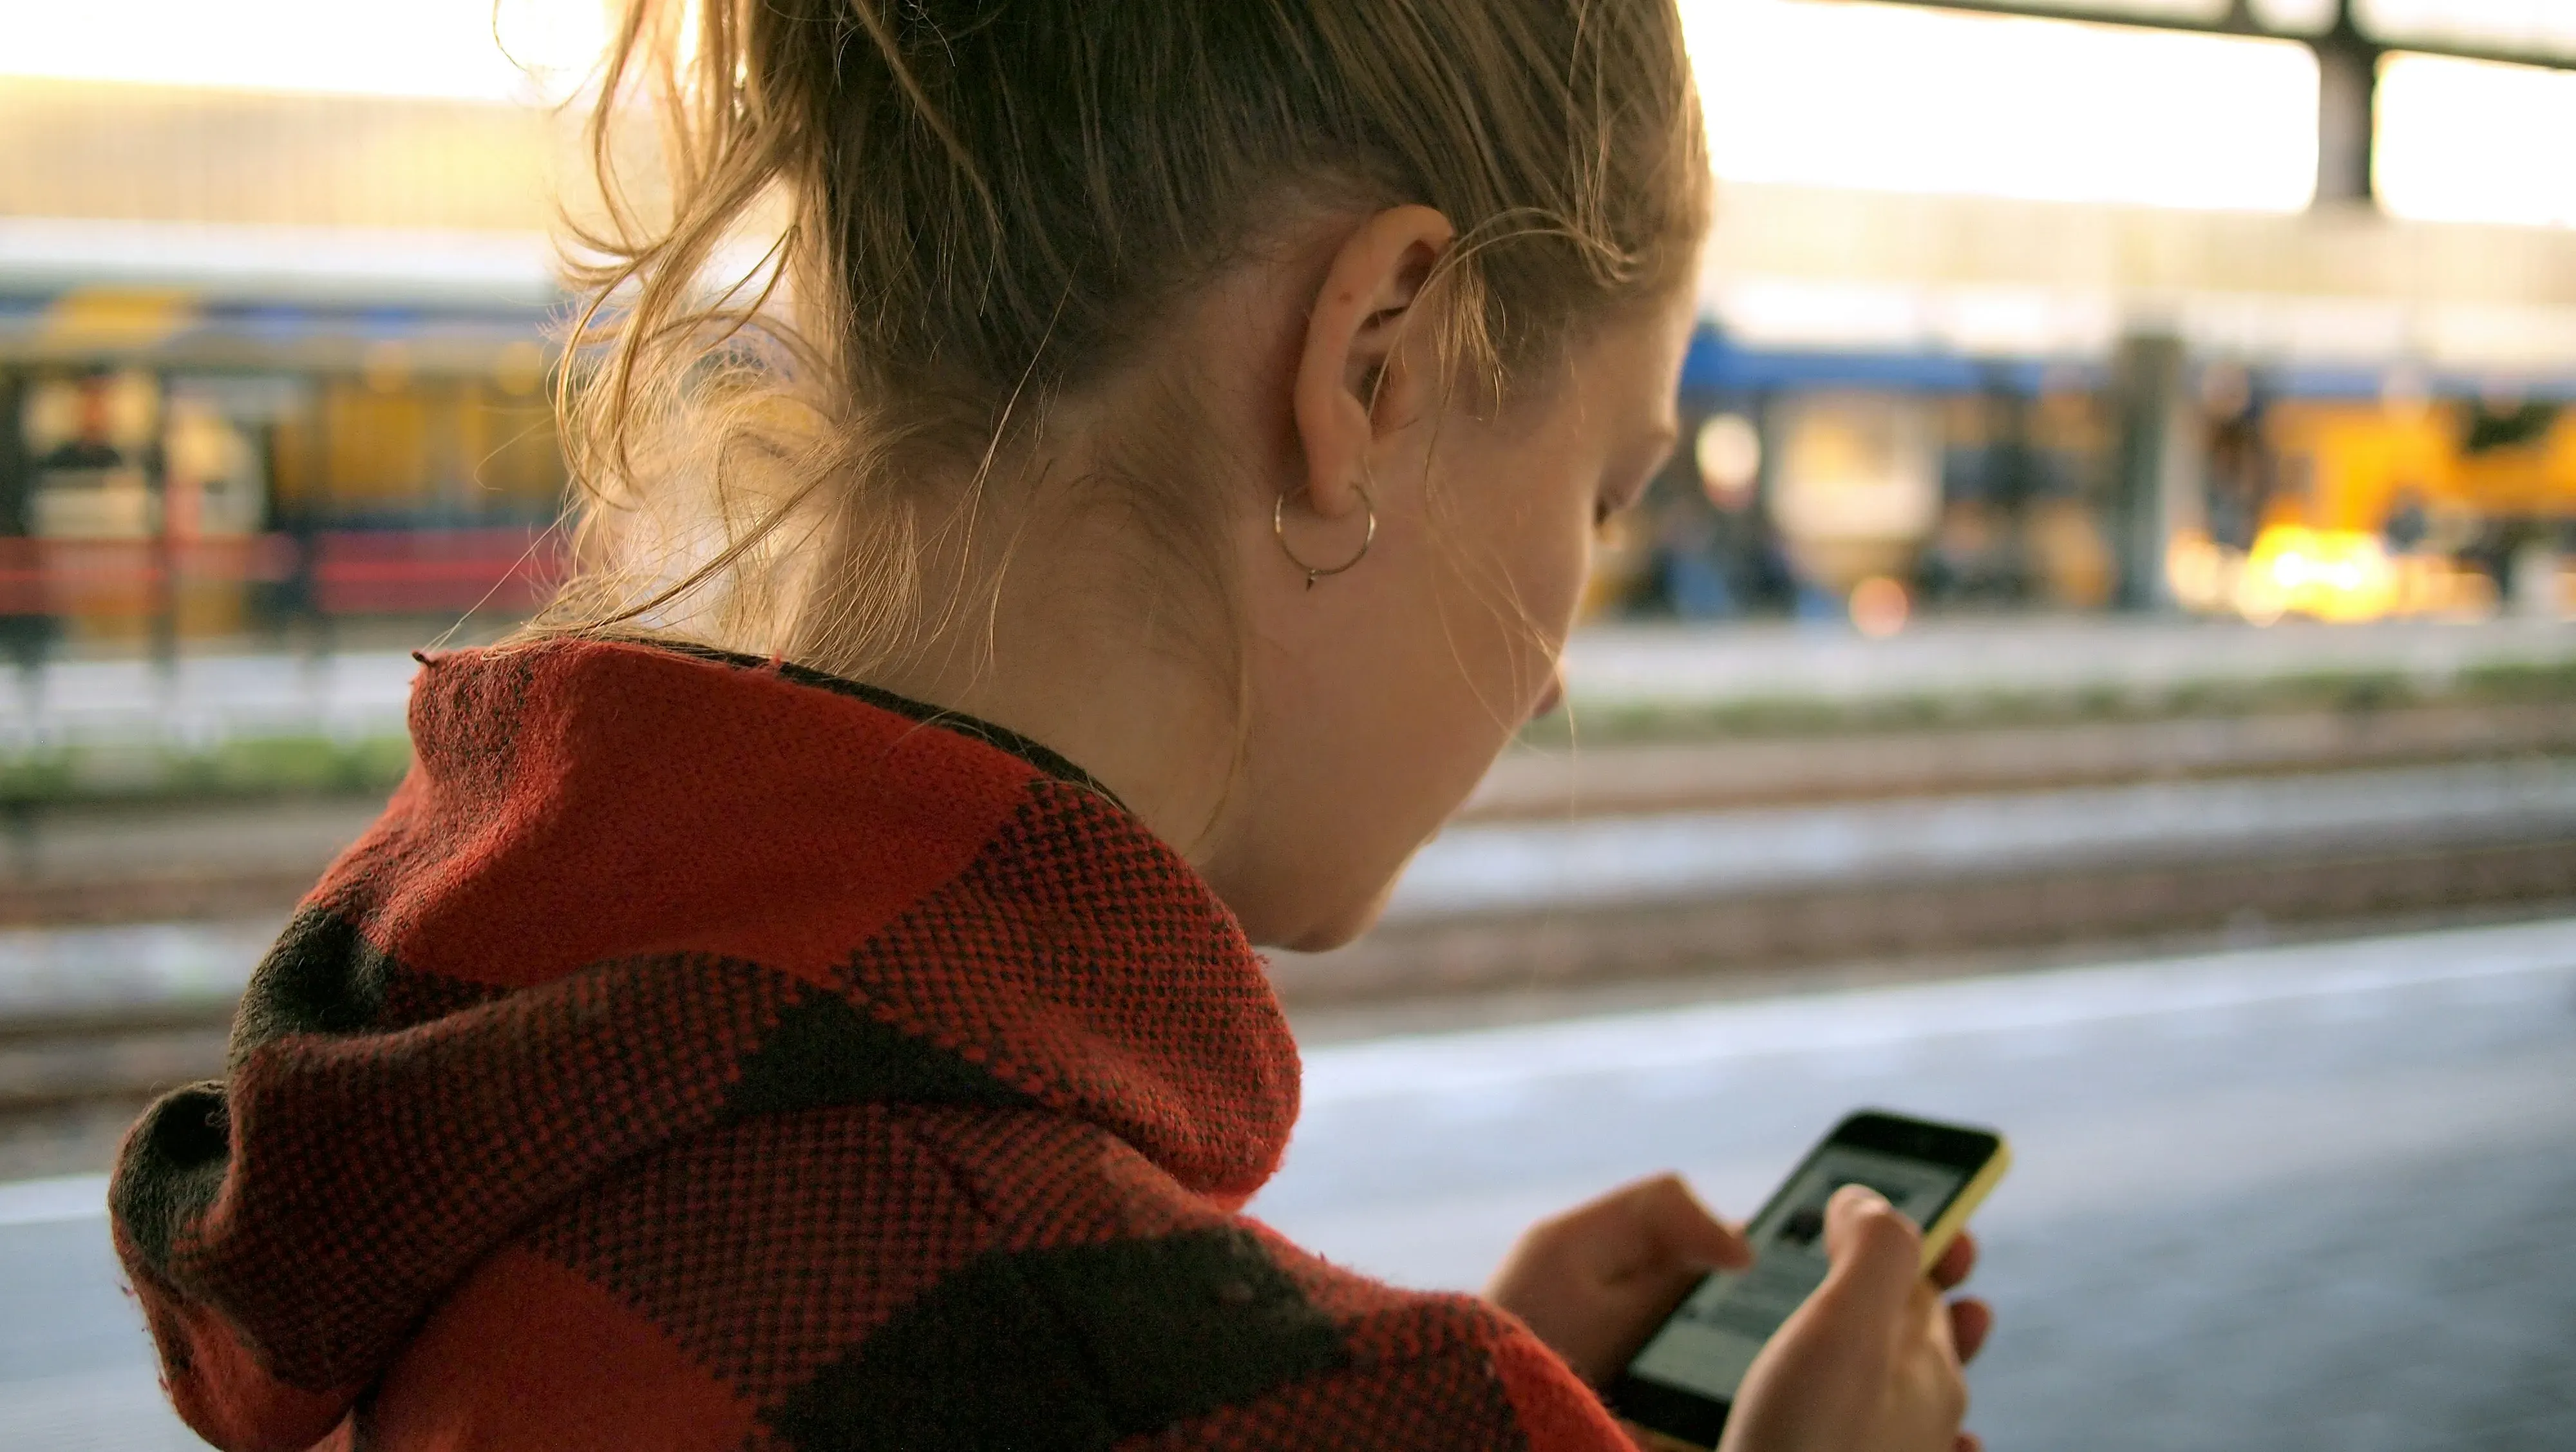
(1605, 508)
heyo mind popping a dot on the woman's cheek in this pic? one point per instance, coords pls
(1573, 569)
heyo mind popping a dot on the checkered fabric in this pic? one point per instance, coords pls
(705, 1054)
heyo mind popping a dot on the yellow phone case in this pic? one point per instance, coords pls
(1938, 1235)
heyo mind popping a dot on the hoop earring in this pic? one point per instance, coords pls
(1279, 531)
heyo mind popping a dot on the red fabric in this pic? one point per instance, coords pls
(612, 801)
(528, 1354)
(1534, 1380)
(701, 1055)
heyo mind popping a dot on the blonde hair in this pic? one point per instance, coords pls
(973, 207)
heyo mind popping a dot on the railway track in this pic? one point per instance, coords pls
(70, 1081)
(1880, 926)
(1782, 771)
(194, 860)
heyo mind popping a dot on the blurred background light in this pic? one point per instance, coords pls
(423, 48)
(2298, 17)
(1879, 607)
(1729, 454)
(2472, 141)
(2201, 11)
(2529, 27)
(1895, 99)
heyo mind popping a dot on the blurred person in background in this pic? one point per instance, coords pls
(1973, 557)
(804, 992)
(2240, 465)
(1687, 571)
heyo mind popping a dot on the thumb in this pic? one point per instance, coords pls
(1875, 1251)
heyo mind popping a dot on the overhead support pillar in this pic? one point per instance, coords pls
(2347, 114)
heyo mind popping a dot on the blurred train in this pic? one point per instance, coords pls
(322, 432)
(321, 437)
(1874, 484)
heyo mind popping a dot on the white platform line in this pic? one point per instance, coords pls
(1416, 1065)
(45, 1202)
(1487, 1059)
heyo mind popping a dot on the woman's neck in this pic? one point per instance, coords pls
(1082, 647)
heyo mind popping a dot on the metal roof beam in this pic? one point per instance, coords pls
(2240, 22)
(2348, 59)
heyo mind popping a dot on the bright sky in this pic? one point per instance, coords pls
(442, 48)
(1828, 94)
(2518, 26)
(2466, 142)
(1913, 100)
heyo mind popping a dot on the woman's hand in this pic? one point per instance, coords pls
(1595, 1282)
(1872, 1359)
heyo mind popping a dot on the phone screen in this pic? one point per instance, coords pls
(1711, 1340)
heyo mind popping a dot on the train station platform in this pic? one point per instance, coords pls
(2112, 658)
(2289, 1198)
(207, 697)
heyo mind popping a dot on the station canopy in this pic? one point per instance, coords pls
(2535, 30)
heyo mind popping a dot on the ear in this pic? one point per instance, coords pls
(1349, 383)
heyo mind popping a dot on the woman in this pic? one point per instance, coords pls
(803, 995)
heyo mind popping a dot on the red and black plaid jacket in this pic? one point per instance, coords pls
(705, 1055)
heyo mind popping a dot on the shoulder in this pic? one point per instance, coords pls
(957, 1278)
(1419, 1370)
(1128, 1312)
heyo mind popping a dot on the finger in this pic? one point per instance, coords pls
(1682, 1229)
(1932, 1314)
(1654, 1226)
(1971, 1321)
(1956, 1261)
(1875, 1254)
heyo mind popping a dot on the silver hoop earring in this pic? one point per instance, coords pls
(1279, 531)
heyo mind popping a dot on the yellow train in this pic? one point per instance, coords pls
(1861, 486)
(2407, 506)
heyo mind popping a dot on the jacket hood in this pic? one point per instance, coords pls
(629, 893)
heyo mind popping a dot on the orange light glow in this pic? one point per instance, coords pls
(2336, 575)
(1880, 607)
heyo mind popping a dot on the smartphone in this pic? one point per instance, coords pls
(1682, 1381)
